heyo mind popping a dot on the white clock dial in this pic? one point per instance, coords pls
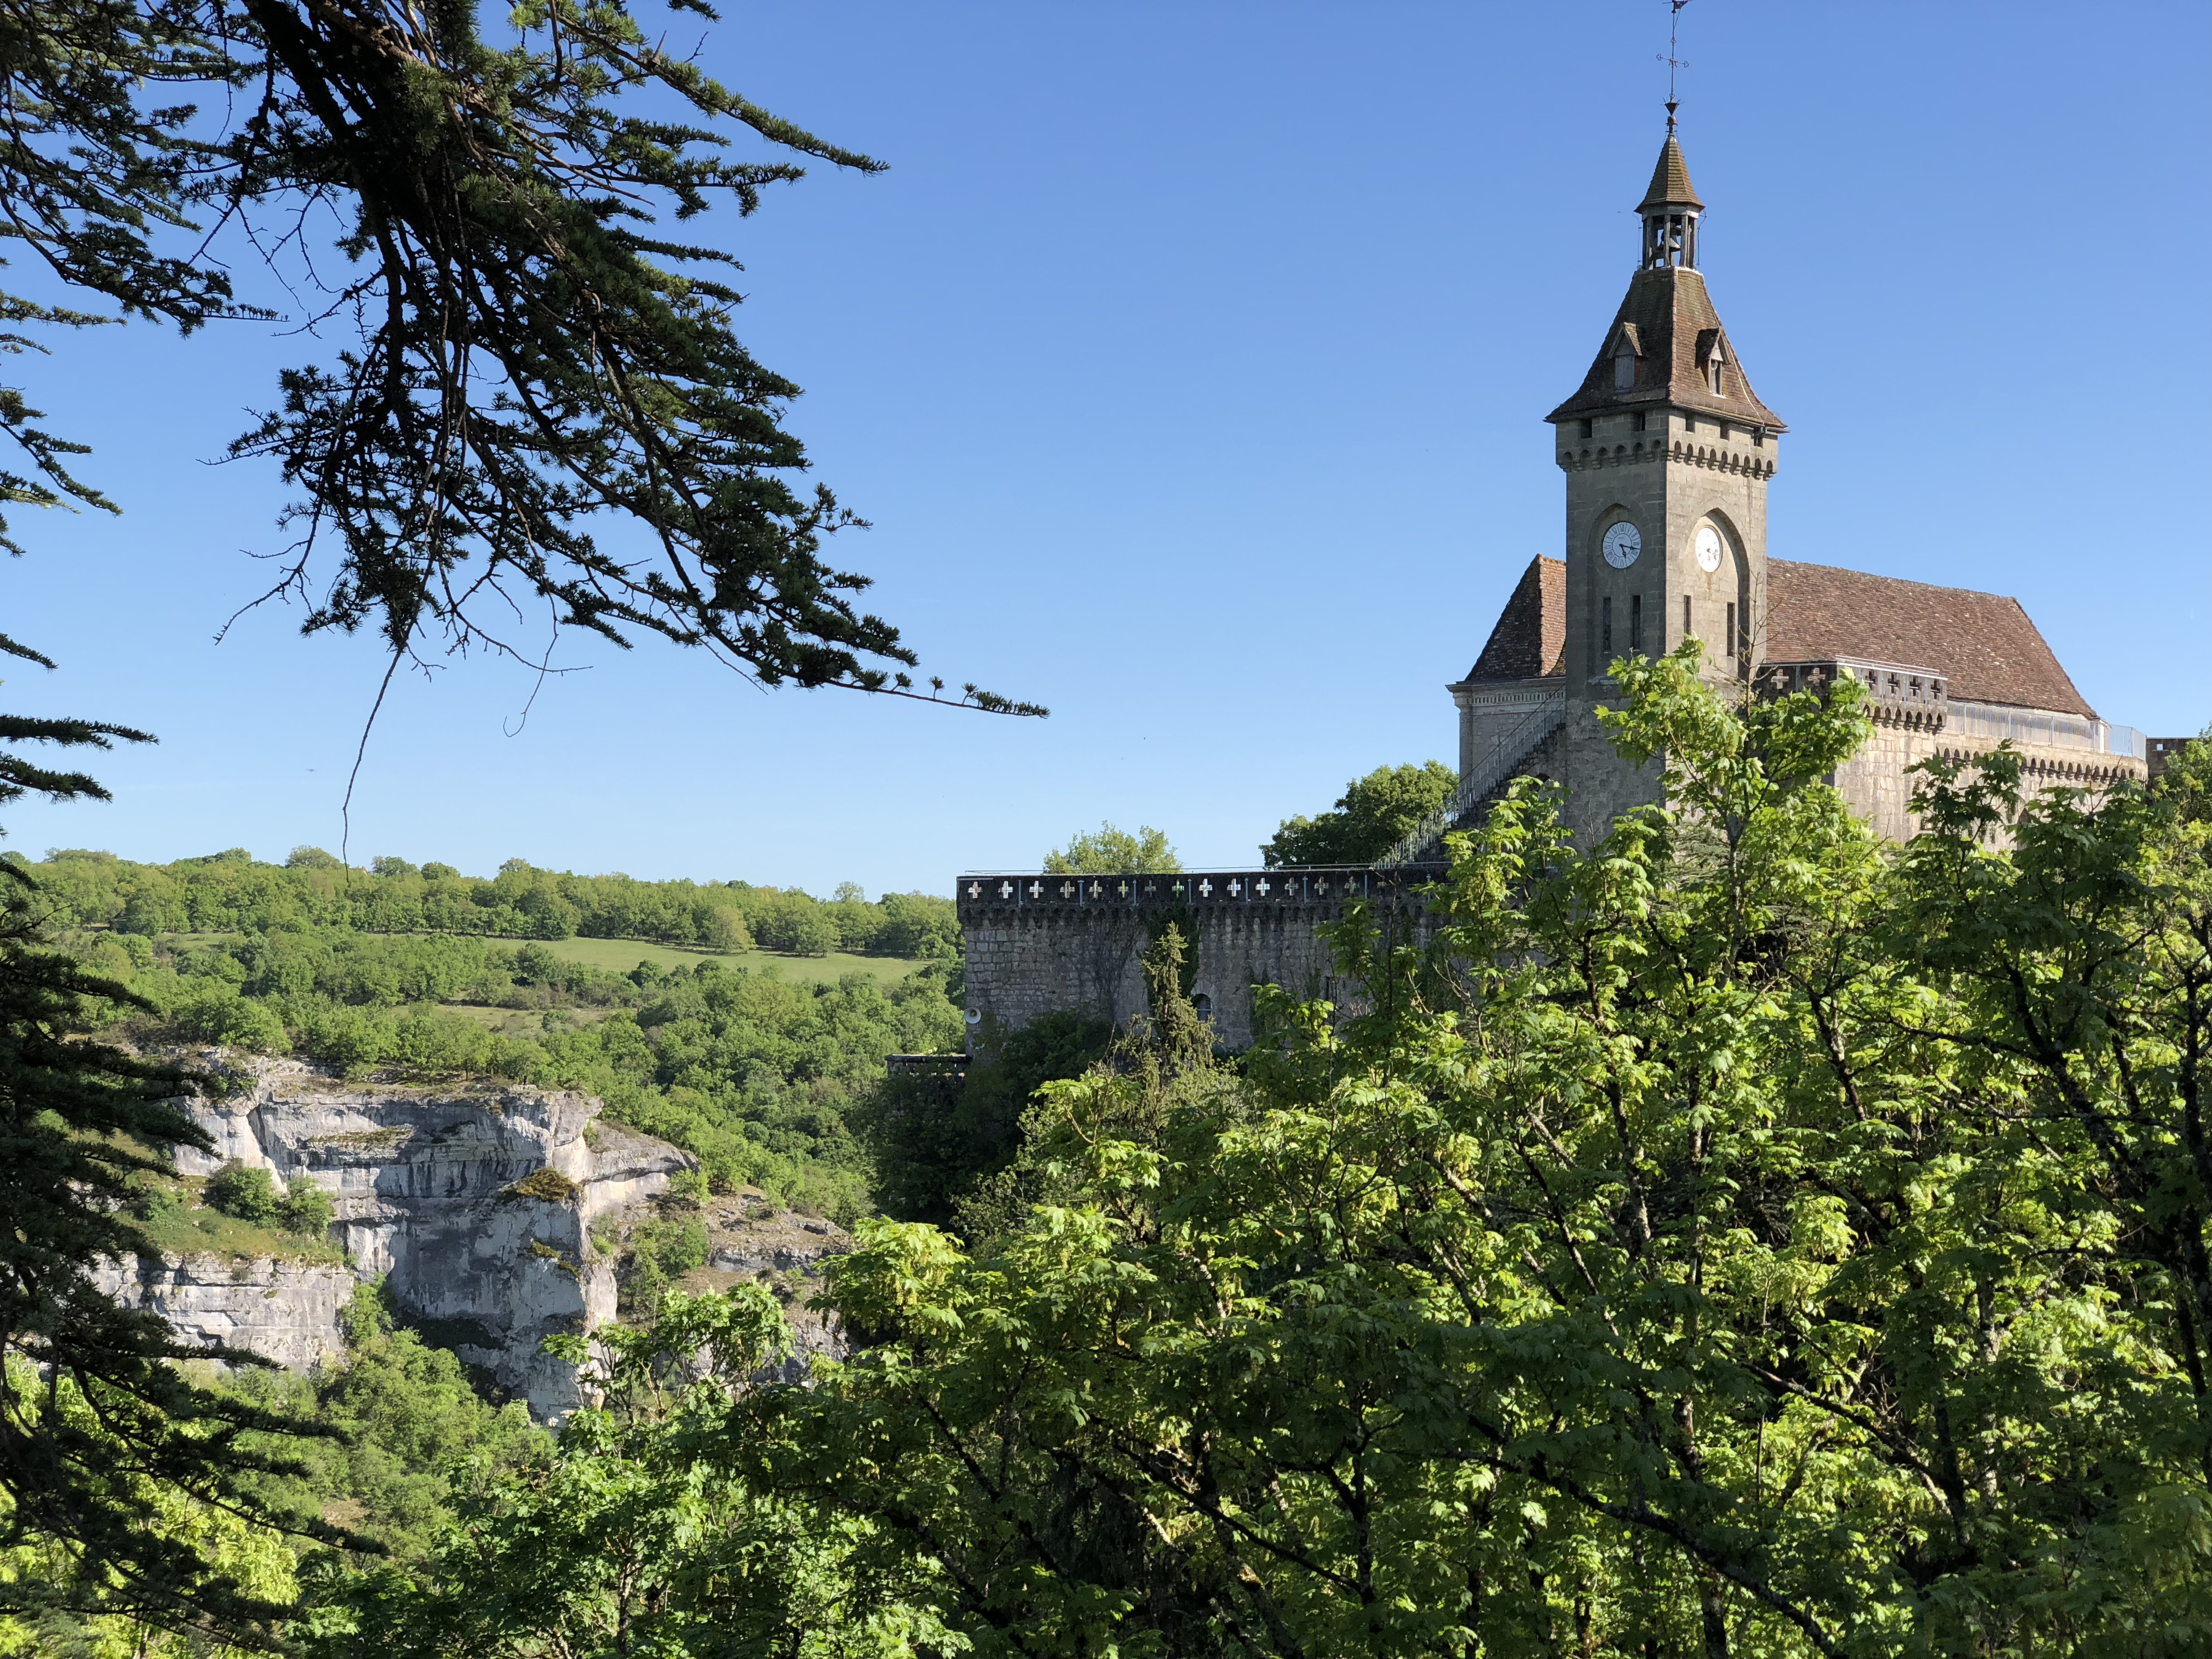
(1622, 545)
(1709, 547)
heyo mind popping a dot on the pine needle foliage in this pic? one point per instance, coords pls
(538, 406)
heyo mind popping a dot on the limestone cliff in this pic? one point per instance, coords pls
(474, 1201)
(281, 1309)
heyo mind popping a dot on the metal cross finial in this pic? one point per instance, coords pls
(1673, 63)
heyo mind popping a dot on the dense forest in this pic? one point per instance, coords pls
(425, 973)
(1740, 1236)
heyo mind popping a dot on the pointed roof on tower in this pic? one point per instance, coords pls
(1681, 354)
(1670, 179)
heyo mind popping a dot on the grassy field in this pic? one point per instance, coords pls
(619, 956)
(180, 1231)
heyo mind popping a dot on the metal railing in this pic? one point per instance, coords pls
(1512, 746)
(2044, 728)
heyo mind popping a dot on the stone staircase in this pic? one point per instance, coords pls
(1495, 769)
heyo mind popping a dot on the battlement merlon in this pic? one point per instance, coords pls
(1038, 943)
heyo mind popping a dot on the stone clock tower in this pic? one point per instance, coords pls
(1667, 451)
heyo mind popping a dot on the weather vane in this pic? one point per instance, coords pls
(1673, 63)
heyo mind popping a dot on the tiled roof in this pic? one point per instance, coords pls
(1982, 643)
(1670, 181)
(1670, 318)
(1530, 640)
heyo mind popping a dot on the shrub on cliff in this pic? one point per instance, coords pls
(306, 1209)
(244, 1191)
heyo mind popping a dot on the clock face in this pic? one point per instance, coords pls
(1622, 545)
(1709, 547)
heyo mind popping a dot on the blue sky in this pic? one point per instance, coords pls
(1190, 363)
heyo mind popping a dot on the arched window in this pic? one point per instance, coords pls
(1202, 1005)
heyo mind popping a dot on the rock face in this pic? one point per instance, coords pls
(748, 1238)
(284, 1310)
(474, 1203)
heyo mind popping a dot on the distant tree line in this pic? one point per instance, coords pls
(232, 892)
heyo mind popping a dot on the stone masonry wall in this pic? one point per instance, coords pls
(1878, 783)
(1042, 944)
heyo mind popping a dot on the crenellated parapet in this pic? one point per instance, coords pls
(1197, 890)
(1898, 694)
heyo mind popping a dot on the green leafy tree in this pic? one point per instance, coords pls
(1731, 1239)
(1107, 851)
(1369, 817)
(2187, 780)
(934, 1137)
(627, 1541)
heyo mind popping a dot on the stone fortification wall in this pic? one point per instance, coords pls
(1040, 943)
(1878, 782)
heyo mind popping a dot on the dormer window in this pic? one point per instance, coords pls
(1626, 349)
(1713, 368)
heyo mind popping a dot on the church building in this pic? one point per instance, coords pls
(1668, 452)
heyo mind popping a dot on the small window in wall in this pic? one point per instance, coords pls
(1202, 1006)
(1636, 622)
(1605, 629)
(1725, 431)
(1584, 427)
(1638, 419)
(1732, 643)
(1687, 629)
(1689, 423)
(1758, 437)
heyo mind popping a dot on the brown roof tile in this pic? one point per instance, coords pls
(1530, 640)
(1982, 643)
(1670, 181)
(1669, 316)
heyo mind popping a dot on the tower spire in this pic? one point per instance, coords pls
(1672, 62)
(1671, 208)
(1670, 234)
